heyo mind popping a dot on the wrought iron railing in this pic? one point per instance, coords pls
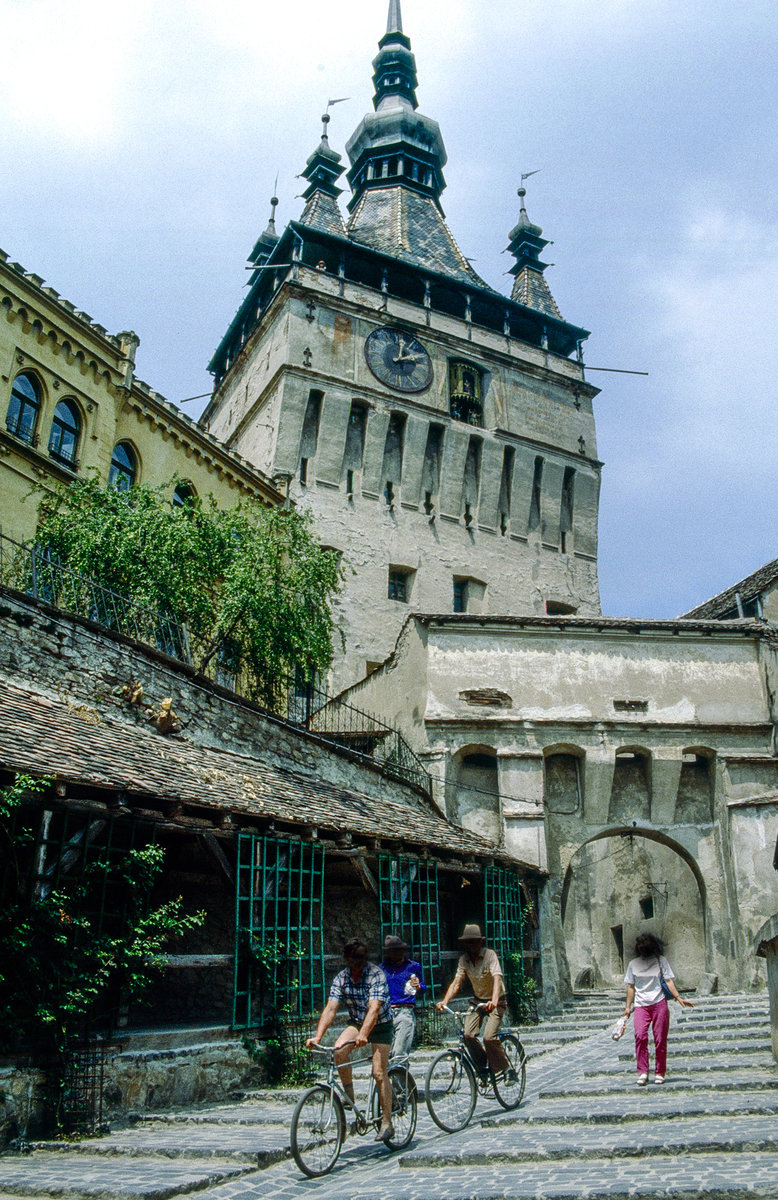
(40, 574)
(303, 704)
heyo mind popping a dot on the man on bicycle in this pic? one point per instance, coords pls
(363, 988)
(482, 967)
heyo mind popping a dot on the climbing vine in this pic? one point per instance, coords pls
(251, 583)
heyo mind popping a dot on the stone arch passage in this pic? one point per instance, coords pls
(624, 881)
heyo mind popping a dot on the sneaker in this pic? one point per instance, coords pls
(659, 1079)
(385, 1134)
(642, 1080)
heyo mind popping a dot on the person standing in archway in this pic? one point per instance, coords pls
(649, 979)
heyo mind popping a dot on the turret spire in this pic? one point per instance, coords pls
(322, 171)
(526, 246)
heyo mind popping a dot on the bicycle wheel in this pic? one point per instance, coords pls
(404, 1107)
(450, 1090)
(509, 1085)
(318, 1130)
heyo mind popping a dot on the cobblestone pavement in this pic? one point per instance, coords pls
(710, 1130)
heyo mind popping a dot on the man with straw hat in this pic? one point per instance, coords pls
(482, 968)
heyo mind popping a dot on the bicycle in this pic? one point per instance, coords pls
(319, 1119)
(454, 1079)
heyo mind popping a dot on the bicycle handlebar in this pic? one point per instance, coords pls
(461, 1016)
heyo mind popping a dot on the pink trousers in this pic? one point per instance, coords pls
(657, 1016)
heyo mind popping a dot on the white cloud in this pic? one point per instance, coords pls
(63, 64)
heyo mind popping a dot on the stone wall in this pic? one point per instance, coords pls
(662, 732)
(85, 666)
(405, 502)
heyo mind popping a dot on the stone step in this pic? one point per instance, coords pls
(624, 1083)
(682, 1046)
(673, 1135)
(182, 1036)
(84, 1177)
(623, 1108)
(716, 1176)
(691, 1064)
(256, 1108)
(260, 1144)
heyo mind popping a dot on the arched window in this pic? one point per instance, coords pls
(184, 495)
(65, 430)
(23, 408)
(124, 467)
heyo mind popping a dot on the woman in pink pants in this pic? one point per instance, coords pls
(644, 989)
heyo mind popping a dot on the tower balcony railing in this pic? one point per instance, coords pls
(294, 700)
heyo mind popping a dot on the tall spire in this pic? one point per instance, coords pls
(395, 65)
(395, 22)
(396, 145)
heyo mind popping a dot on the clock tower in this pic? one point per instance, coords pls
(440, 433)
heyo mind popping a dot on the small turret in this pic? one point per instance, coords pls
(526, 246)
(267, 241)
(323, 170)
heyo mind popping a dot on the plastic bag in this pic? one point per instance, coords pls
(620, 1028)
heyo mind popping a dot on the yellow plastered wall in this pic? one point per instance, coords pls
(71, 358)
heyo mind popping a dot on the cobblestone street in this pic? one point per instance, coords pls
(583, 1129)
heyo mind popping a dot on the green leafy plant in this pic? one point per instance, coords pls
(62, 965)
(521, 990)
(251, 583)
(281, 1051)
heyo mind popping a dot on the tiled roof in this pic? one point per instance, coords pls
(322, 212)
(398, 221)
(748, 588)
(44, 735)
(532, 290)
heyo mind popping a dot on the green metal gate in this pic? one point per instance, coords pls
(408, 897)
(503, 915)
(279, 945)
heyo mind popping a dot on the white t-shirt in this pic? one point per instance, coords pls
(643, 973)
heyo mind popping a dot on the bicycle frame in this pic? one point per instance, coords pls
(336, 1088)
(482, 1077)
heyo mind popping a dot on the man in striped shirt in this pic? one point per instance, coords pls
(362, 987)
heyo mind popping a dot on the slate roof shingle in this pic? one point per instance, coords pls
(408, 225)
(753, 585)
(43, 734)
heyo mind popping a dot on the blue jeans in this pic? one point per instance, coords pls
(404, 1028)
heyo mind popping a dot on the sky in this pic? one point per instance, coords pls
(141, 143)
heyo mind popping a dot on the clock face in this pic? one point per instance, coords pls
(399, 360)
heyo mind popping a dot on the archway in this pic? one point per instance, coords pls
(625, 881)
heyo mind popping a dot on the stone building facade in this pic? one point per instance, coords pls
(441, 433)
(274, 829)
(71, 405)
(634, 761)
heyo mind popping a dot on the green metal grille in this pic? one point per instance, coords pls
(408, 896)
(503, 915)
(279, 957)
(58, 849)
